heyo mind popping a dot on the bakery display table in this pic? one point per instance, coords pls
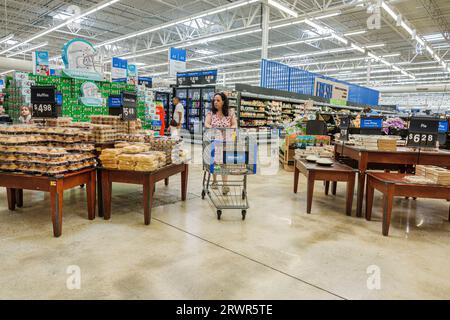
(335, 173)
(146, 179)
(15, 184)
(394, 185)
(403, 156)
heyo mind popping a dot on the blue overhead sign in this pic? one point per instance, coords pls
(178, 54)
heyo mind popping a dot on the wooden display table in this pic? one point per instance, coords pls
(393, 185)
(16, 183)
(146, 179)
(403, 156)
(314, 172)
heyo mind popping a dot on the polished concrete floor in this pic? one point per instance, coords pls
(279, 252)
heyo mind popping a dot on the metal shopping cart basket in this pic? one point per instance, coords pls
(231, 155)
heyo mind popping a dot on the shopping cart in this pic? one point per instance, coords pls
(230, 153)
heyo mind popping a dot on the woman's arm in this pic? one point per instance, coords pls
(208, 121)
(233, 120)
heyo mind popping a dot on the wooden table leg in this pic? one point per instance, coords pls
(90, 191)
(11, 195)
(361, 186)
(296, 177)
(106, 194)
(327, 187)
(310, 192)
(99, 193)
(350, 194)
(334, 188)
(387, 211)
(56, 198)
(369, 199)
(149, 186)
(19, 198)
(184, 182)
(166, 181)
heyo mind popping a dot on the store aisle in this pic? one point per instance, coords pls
(278, 253)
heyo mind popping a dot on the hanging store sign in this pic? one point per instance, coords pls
(177, 61)
(119, 70)
(146, 81)
(132, 74)
(41, 63)
(43, 102)
(208, 77)
(80, 60)
(129, 101)
(423, 132)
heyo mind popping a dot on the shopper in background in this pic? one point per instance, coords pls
(4, 118)
(220, 117)
(25, 115)
(178, 114)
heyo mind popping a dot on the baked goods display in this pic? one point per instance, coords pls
(167, 145)
(133, 158)
(43, 160)
(433, 174)
(33, 149)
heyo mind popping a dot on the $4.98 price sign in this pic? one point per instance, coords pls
(43, 102)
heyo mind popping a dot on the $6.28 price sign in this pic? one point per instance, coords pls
(422, 140)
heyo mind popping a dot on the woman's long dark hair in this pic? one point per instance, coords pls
(226, 104)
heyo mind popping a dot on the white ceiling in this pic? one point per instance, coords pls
(231, 40)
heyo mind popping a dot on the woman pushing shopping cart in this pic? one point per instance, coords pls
(230, 154)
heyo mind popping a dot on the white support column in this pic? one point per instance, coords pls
(265, 30)
(369, 70)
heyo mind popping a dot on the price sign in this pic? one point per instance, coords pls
(43, 102)
(129, 106)
(197, 78)
(423, 133)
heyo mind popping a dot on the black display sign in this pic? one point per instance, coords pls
(197, 78)
(129, 112)
(423, 132)
(43, 102)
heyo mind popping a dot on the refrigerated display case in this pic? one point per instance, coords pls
(164, 98)
(197, 102)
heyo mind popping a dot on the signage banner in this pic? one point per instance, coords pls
(41, 63)
(197, 78)
(119, 70)
(330, 90)
(146, 81)
(177, 61)
(371, 123)
(80, 60)
(132, 76)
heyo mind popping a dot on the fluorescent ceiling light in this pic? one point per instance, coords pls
(407, 28)
(154, 65)
(6, 72)
(318, 27)
(354, 33)
(389, 10)
(205, 51)
(328, 15)
(339, 38)
(283, 8)
(93, 9)
(174, 23)
(28, 49)
(7, 38)
(377, 45)
(391, 55)
(358, 48)
(11, 42)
